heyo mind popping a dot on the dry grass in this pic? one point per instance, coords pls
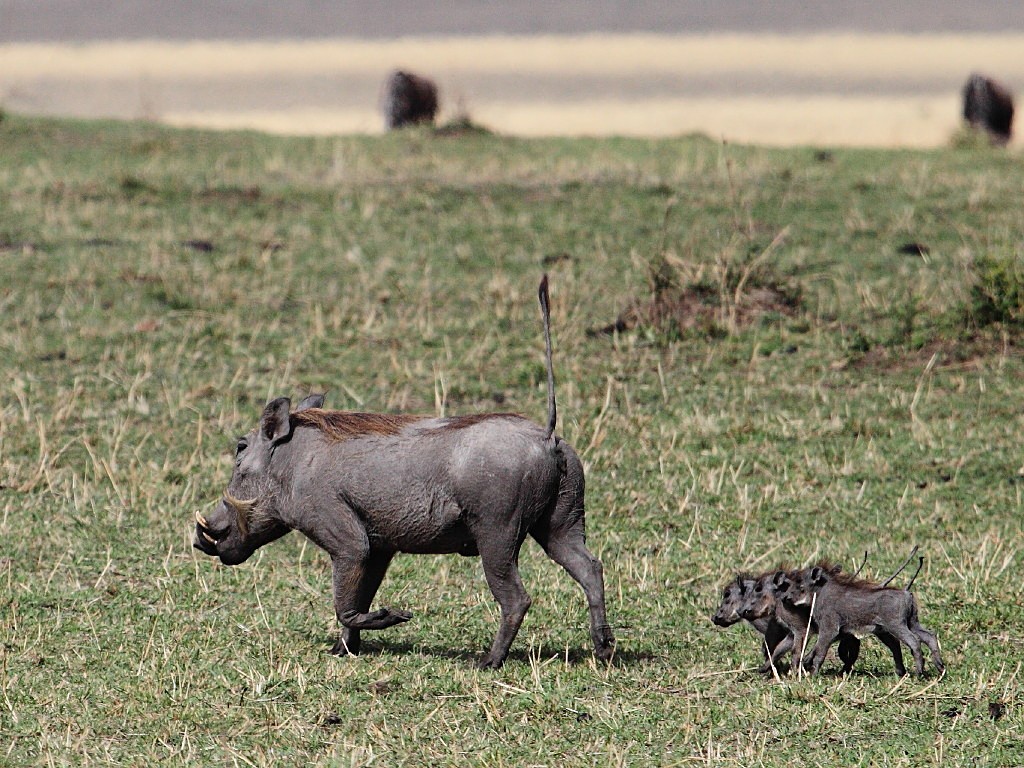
(398, 273)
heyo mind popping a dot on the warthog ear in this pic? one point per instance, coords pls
(274, 423)
(779, 578)
(311, 401)
(818, 577)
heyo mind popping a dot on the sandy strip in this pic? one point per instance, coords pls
(820, 55)
(822, 89)
(816, 120)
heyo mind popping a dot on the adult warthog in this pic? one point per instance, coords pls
(366, 486)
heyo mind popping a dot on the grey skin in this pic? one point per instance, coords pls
(854, 606)
(777, 639)
(365, 487)
(763, 602)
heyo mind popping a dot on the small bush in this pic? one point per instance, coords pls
(969, 138)
(997, 292)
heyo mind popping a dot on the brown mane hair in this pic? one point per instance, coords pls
(846, 579)
(345, 425)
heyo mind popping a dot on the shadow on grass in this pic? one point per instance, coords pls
(575, 656)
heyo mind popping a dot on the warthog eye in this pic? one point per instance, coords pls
(242, 445)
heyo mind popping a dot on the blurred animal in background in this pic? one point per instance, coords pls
(408, 99)
(988, 106)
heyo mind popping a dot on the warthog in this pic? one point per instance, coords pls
(777, 638)
(988, 105)
(842, 604)
(408, 99)
(763, 602)
(774, 634)
(365, 486)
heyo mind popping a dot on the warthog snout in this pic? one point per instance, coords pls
(208, 533)
(224, 532)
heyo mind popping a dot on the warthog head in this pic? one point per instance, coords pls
(247, 515)
(804, 584)
(733, 597)
(759, 600)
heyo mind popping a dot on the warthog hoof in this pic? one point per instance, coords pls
(604, 644)
(382, 618)
(487, 662)
(345, 647)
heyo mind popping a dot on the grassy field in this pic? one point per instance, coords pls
(839, 389)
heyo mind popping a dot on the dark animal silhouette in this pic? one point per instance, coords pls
(777, 639)
(988, 105)
(409, 99)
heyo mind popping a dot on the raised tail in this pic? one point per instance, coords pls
(545, 312)
(900, 569)
(920, 565)
(862, 564)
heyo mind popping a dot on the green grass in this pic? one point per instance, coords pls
(158, 286)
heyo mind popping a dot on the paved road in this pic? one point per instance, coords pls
(88, 20)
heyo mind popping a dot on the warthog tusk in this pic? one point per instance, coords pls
(208, 537)
(201, 520)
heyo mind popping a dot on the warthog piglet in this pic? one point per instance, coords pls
(843, 604)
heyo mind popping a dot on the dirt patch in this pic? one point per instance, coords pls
(704, 309)
(965, 354)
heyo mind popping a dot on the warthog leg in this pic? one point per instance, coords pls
(567, 547)
(848, 651)
(929, 639)
(382, 618)
(374, 569)
(779, 650)
(355, 583)
(895, 648)
(925, 636)
(507, 587)
(912, 641)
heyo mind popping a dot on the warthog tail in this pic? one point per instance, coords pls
(920, 565)
(900, 569)
(545, 311)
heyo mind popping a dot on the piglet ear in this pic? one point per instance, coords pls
(275, 423)
(311, 401)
